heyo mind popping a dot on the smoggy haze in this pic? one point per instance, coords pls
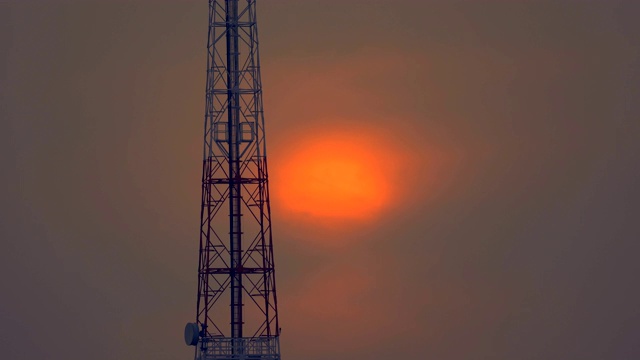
(513, 129)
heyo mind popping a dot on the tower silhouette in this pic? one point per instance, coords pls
(237, 313)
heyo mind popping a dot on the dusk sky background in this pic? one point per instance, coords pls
(510, 129)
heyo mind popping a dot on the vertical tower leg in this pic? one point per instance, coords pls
(235, 210)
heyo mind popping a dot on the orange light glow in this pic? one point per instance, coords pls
(334, 177)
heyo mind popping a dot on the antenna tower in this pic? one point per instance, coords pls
(237, 313)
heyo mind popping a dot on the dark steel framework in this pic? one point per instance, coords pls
(236, 261)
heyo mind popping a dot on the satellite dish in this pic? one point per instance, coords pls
(191, 334)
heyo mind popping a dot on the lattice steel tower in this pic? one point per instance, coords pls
(237, 313)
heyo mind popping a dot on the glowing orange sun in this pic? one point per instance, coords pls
(334, 178)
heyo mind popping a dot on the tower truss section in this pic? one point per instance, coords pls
(237, 312)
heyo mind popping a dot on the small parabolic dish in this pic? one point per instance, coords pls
(191, 333)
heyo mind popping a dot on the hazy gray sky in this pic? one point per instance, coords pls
(514, 234)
